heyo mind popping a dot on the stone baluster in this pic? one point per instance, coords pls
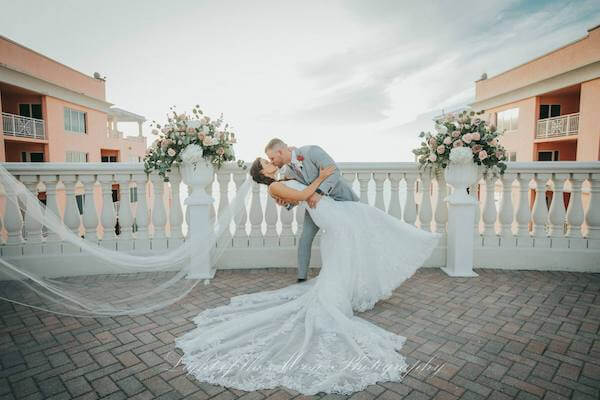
(575, 215)
(256, 218)
(240, 238)
(175, 212)
(394, 208)
(13, 223)
(286, 239)
(441, 206)
(271, 237)
(540, 211)
(90, 215)
(523, 214)
(141, 212)
(223, 178)
(506, 212)
(363, 179)
(592, 214)
(159, 216)
(410, 208)
(425, 210)
(474, 190)
(557, 213)
(125, 241)
(379, 178)
(107, 215)
(33, 217)
(53, 240)
(71, 217)
(490, 214)
(211, 207)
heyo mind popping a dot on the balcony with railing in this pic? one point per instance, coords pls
(561, 126)
(23, 127)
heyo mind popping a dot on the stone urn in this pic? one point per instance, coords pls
(198, 175)
(460, 176)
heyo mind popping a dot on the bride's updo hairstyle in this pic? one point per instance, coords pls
(257, 175)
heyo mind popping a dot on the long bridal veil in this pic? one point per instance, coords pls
(137, 283)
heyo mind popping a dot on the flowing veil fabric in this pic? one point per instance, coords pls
(137, 284)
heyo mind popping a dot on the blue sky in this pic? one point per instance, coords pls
(361, 78)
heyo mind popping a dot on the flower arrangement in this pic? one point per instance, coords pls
(462, 130)
(189, 138)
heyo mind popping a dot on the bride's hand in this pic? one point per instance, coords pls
(325, 172)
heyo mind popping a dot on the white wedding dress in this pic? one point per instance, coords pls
(305, 336)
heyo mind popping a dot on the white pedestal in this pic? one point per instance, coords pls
(459, 250)
(199, 232)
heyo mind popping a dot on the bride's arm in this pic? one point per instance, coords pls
(280, 190)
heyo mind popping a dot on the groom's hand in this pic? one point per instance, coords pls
(313, 200)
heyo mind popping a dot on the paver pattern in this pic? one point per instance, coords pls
(502, 335)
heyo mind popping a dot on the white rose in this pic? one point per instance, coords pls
(171, 152)
(155, 131)
(192, 154)
(441, 128)
(447, 140)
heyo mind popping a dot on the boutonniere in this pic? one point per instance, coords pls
(300, 157)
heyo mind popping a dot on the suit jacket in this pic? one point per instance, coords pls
(314, 159)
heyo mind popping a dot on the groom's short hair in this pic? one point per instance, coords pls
(273, 143)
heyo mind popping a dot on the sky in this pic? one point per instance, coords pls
(360, 78)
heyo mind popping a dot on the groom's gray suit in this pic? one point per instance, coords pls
(334, 186)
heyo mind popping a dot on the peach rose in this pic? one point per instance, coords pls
(447, 140)
(476, 148)
(476, 136)
(441, 149)
(455, 134)
(483, 155)
(458, 143)
(467, 137)
(432, 157)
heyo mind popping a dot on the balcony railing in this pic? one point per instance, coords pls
(559, 231)
(15, 125)
(564, 125)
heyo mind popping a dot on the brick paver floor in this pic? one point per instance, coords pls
(504, 334)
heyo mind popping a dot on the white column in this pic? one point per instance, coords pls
(125, 241)
(108, 212)
(175, 212)
(13, 222)
(201, 237)
(159, 215)
(505, 214)
(425, 212)
(557, 213)
(33, 217)
(271, 237)
(490, 214)
(142, 241)
(394, 208)
(592, 214)
(540, 211)
(363, 180)
(575, 213)
(223, 178)
(286, 239)
(240, 238)
(140, 131)
(441, 207)
(256, 218)
(410, 208)
(71, 218)
(90, 215)
(523, 214)
(379, 181)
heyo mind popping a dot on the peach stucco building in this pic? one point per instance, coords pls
(53, 113)
(549, 107)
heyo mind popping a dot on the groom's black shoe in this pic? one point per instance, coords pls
(301, 280)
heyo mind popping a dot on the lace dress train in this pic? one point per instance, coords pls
(305, 336)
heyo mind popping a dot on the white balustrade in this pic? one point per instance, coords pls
(563, 233)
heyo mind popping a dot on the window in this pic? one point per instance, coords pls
(549, 155)
(80, 199)
(512, 156)
(549, 110)
(74, 120)
(77, 156)
(32, 156)
(30, 110)
(508, 120)
(108, 158)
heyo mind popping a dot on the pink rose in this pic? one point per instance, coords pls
(447, 140)
(191, 131)
(432, 157)
(494, 142)
(455, 134)
(432, 142)
(441, 149)
(476, 148)
(476, 136)
(499, 154)
(458, 143)
(483, 155)
(467, 137)
(201, 136)
(207, 141)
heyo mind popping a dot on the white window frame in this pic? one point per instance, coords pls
(30, 110)
(513, 119)
(510, 153)
(76, 156)
(69, 128)
(553, 152)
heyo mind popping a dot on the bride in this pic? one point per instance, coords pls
(305, 336)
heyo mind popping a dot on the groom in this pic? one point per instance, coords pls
(303, 164)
